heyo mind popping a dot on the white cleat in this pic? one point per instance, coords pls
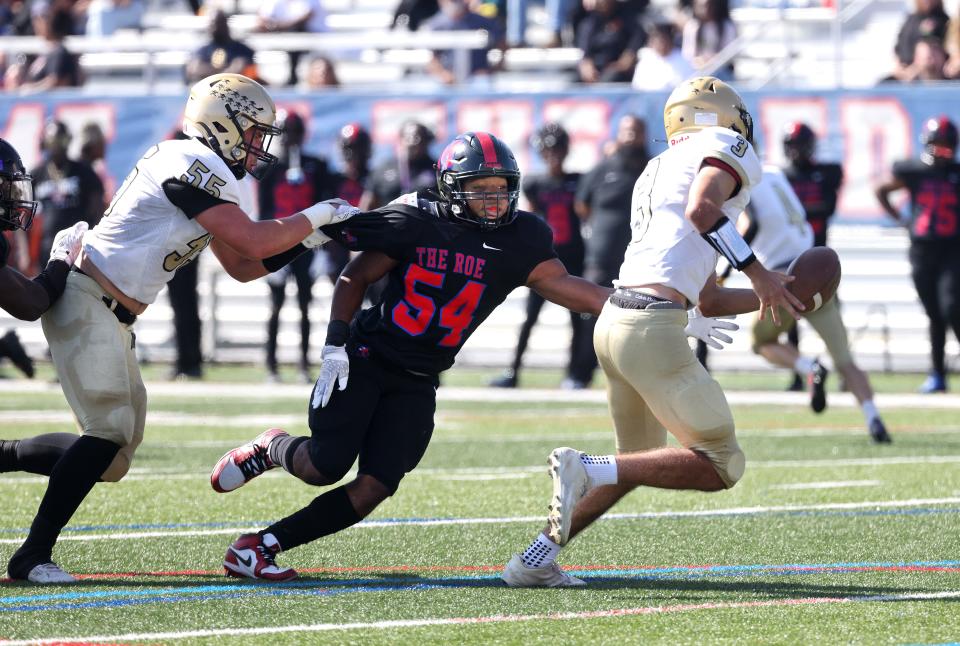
(570, 484)
(49, 573)
(518, 575)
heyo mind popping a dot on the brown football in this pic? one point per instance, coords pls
(817, 275)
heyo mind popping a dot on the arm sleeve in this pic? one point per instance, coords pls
(191, 200)
(390, 229)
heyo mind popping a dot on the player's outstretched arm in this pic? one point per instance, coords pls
(551, 280)
(27, 299)
(883, 191)
(20, 296)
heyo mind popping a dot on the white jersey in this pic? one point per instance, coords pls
(665, 248)
(783, 232)
(143, 237)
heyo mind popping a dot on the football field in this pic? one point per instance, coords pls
(828, 539)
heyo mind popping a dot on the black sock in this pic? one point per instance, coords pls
(70, 481)
(281, 450)
(36, 454)
(326, 514)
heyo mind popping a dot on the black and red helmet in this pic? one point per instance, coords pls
(17, 206)
(939, 139)
(355, 142)
(471, 155)
(799, 141)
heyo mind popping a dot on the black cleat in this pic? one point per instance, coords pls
(795, 386)
(11, 348)
(816, 385)
(507, 380)
(878, 432)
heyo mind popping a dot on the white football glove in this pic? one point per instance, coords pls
(67, 243)
(316, 239)
(335, 368)
(331, 211)
(707, 329)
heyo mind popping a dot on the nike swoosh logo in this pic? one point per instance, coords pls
(247, 562)
(486, 246)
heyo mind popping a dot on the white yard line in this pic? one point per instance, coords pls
(461, 621)
(206, 389)
(433, 522)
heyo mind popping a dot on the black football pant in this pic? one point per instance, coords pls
(534, 304)
(936, 276)
(182, 290)
(584, 360)
(300, 268)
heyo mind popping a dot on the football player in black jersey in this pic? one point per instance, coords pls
(818, 187)
(551, 197)
(449, 263)
(933, 182)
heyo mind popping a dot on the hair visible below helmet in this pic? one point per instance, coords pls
(939, 139)
(551, 136)
(471, 155)
(799, 141)
(17, 206)
(355, 142)
(704, 102)
(221, 109)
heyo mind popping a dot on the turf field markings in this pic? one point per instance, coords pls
(836, 484)
(919, 506)
(495, 619)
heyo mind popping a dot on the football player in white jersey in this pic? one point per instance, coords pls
(777, 229)
(182, 196)
(684, 209)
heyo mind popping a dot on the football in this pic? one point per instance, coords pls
(816, 275)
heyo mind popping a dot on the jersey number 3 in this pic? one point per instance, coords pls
(415, 312)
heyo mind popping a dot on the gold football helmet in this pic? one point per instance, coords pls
(223, 109)
(703, 102)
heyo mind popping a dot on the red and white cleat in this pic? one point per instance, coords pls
(253, 556)
(244, 463)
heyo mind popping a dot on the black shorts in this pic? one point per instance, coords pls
(384, 417)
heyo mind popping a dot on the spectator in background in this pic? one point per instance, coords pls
(411, 170)
(928, 20)
(321, 73)
(68, 190)
(660, 65)
(707, 33)
(456, 15)
(933, 183)
(603, 202)
(104, 17)
(929, 64)
(297, 181)
(221, 54)
(551, 197)
(410, 14)
(610, 35)
(93, 151)
(356, 147)
(56, 67)
(292, 16)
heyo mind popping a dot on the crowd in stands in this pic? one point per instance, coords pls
(622, 41)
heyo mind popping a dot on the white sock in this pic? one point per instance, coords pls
(870, 411)
(803, 365)
(601, 469)
(541, 552)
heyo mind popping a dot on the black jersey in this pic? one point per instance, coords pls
(552, 199)
(817, 186)
(449, 278)
(934, 198)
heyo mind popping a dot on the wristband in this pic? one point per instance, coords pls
(725, 238)
(319, 214)
(337, 333)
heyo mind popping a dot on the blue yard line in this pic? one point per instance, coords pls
(129, 596)
(910, 511)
